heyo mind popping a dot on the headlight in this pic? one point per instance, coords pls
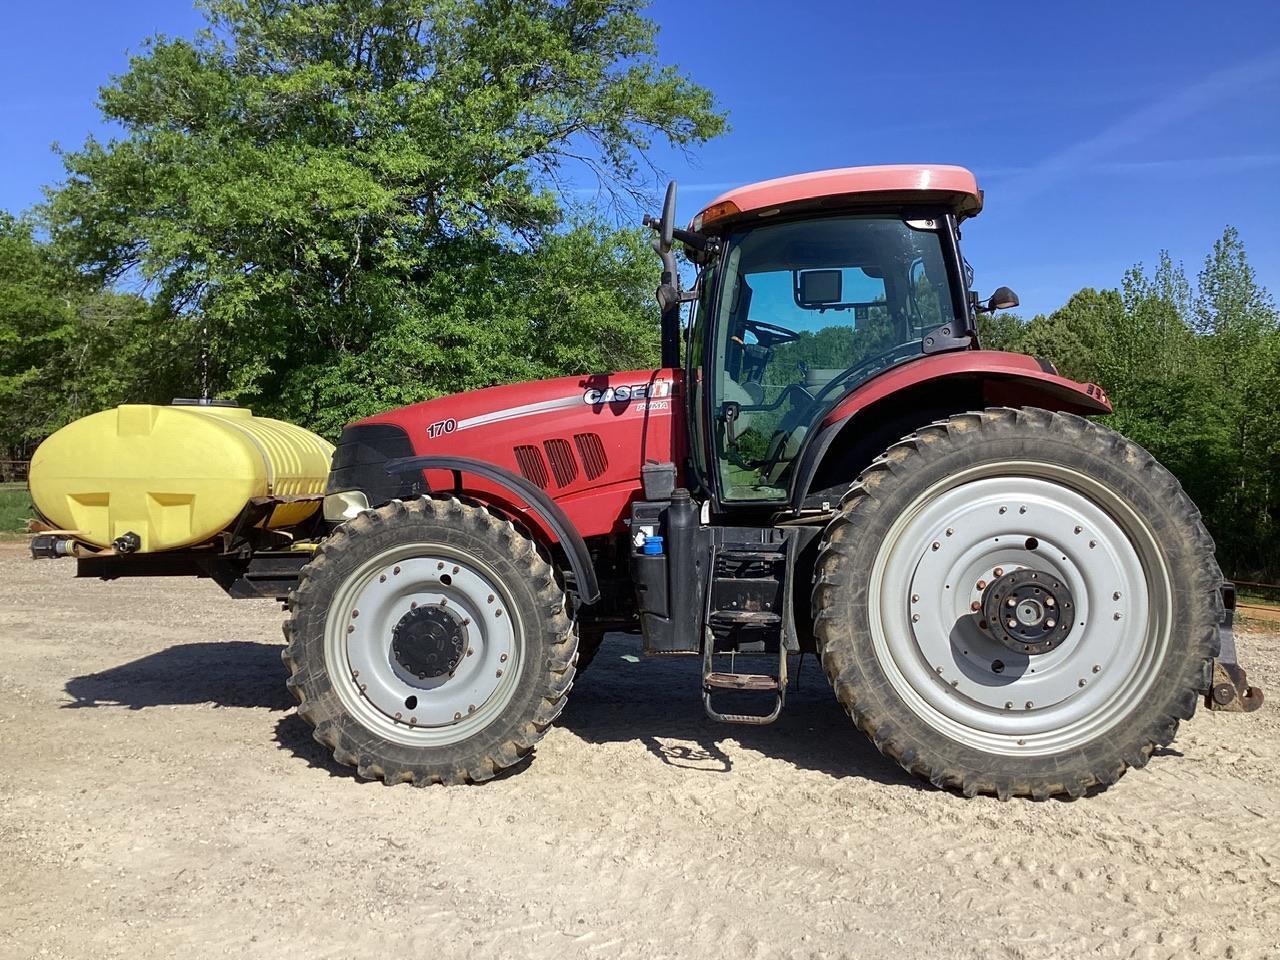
(343, 506)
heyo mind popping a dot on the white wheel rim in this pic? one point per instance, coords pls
(377, 690)
(961, 680)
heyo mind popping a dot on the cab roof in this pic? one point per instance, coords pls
(953, 187)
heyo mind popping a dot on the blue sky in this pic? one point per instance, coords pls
(1101, 132)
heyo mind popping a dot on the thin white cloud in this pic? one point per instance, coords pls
(1140, 126)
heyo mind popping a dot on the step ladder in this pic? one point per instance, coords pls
(753, 566)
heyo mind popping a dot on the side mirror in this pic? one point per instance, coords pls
(1002, 299)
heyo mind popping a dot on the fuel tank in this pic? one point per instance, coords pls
(581, 439)
(176, 475)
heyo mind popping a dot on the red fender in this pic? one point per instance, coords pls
(1008, 380)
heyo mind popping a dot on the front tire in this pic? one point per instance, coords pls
(1103, 577)
(427, 642)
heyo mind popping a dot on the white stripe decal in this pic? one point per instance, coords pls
(528, 410)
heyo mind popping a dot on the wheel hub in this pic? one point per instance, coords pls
(1028, 611)
(428, 642)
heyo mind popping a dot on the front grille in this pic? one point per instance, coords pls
(563, 466)
(591, 450)
(532, 466)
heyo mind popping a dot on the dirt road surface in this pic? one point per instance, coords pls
(158, 795)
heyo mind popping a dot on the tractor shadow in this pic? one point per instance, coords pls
(623, 698)
(626, 697)
(236, 673)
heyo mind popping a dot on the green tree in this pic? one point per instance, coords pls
(69, 347)
(313, 188)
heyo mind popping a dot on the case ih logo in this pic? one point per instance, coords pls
(628, 392)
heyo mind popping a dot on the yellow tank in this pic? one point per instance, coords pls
(176, 475)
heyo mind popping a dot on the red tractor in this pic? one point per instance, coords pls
(1007, 597)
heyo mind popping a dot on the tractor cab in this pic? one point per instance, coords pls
(809, 287)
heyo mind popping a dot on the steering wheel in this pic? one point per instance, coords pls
(768, 335)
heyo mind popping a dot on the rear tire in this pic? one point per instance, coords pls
(953, 513)
(427, 642)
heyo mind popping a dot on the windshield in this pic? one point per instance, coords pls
(807, 311)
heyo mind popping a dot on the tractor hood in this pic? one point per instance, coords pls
(581, 439)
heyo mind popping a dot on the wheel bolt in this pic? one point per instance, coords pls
(915, 618)
(950, 531)
(440, 566)
(471, 709)
(1013, 602)
(1092, 544)
(397, 716)
(1004, 509)
(998, 571)
(497, 613)
(503, 658)
(1097, 668)
(1008, 704)
(382, 578)
(490, 600)
(457, 716)
(356, 613)
(470, 652)
(396, 570)
(936, 545)
(498, 674)
(915, 598)
(1049, 601)
(1030, 704)
(1083, 681)
(413, 721)
(1115, 616)
(975, 606)
(1078, 529)
(1050, 624)
(982, 584)
(1116, 595)
(1011, 623)
(351, 628)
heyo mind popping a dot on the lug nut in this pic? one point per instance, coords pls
(1083, 681)
(936, 545)
(1004, 509)
(998, 571)
(1097, 668)
(503, 658)
(1078, 529)
(1049, 601)
(982, 584)
(1030, 704)
(1022, 509)
(471, 709)
(470, 652)
(396, 570)
(950, 531)
(1008, 704)
(1050, 624)
(498, 674)
(457, 716)
(915, 598)
(1012, 602)
(1011, 623)
(413, 604)
(975, 606)
(351, 628)
(915, 618)
(1115, 616)
(1116, 595)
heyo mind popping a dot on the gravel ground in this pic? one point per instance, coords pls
(158, 794)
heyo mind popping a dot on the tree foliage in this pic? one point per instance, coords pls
(348, 203)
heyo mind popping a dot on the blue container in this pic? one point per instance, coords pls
(652, 547)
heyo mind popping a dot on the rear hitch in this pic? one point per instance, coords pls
(1229, 690)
